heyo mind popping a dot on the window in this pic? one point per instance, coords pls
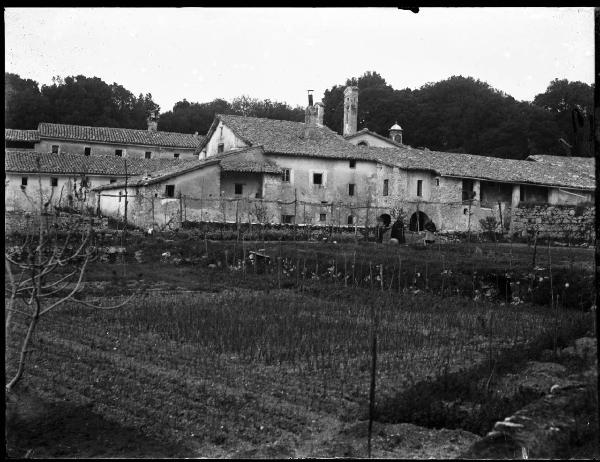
(119, 152)
(286, 175)
(170, 190)
(351, 189)
(363, 143)
(55, 148)
(53, 182)
(323, 217)
(420, 188)
(437, 181)
(467, 190)
(350, 219)
(239, 188)
(87, 151)
(522, 193)
(220, 147)
(113, 180)
(386, 184)
(176, 155)
(148, 155)
(318, 178)
(352, 163)
(287, 219)
(24, 181)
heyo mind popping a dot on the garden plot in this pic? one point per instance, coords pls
(227, 372)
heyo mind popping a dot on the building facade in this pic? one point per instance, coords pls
(106, 141)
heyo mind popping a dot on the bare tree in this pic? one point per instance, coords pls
(45, 272)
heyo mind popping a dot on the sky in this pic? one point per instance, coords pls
(278, 53)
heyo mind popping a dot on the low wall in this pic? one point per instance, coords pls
(560, 222)
(25, 222)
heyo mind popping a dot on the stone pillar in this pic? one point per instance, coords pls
(516, 195)
(350, 110)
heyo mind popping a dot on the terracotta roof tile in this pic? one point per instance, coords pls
(119, 135)
(249, 160)
(11, 134)
(25, 162)
(286, 137)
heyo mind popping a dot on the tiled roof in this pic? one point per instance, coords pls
(584, 166)
(488, 168)
(366, 131)
(11, 134)
(119, 135)
(286, 137)
(25, 162)
(249, 160)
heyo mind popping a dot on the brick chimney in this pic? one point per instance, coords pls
(311, 117)
(152, 121)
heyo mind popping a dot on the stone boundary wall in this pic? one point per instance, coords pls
(561, 222)
(26, 222)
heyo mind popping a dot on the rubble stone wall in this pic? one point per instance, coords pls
(561, 222)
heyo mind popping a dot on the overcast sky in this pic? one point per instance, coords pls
(201, 54)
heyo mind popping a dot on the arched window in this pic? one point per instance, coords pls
(363, 143)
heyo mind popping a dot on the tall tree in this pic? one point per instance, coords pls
(189, 117)
(24, 105)
(571, 104)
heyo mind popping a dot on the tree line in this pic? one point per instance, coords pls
(462, 114)
(459, 114)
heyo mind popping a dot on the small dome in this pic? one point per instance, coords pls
(396, 127)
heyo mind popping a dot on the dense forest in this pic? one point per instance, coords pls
(459, 114)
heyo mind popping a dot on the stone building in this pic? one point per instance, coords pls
(330, 179)
(103, 141)
(66, 179)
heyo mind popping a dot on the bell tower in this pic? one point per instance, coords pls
(396, 133)
(350, 110)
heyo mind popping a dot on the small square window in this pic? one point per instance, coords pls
(220, 147)
(420, 188)
(351, 189)
(119, 152)
(323, 217)
(113, 180)
(170, 190)
(53, 182)
(87, 151)
(288, 219)
(148, 155)
(353, 163)
(386, 184)
(350, 219)
(239, 188)
(318, 178)
(24, 181)
(55, 148)
(176, 155)
(286, 175)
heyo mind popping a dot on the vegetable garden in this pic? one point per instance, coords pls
(277, 347)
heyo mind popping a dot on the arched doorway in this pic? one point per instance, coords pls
(417, 221)
(386, 219)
